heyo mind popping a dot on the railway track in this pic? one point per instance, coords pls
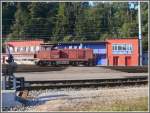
(129, 69)
(24, 98)
(36, 85)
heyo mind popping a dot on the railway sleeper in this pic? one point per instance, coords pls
(86, 84)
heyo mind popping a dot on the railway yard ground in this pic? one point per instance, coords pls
(118, 98)
(77, 73)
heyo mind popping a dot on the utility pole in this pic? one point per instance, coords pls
(140, 34)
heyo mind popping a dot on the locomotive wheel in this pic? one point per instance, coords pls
(74, 63)
(85, 63)
(71, 63)
(38, 63)
(90, 63)
(53, 63)
(42, 63)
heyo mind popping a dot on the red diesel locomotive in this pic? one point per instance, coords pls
(65, 56)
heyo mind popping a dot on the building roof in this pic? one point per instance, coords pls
(48, 44)
(83, 42)
(24, 43)
(122, 38)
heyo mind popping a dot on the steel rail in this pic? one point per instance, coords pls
(36, 85)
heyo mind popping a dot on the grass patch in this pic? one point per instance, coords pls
(139, 104)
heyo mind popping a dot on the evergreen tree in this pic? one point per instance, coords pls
(8, 11)
(69, 21)
(42, 21)
(144, 19)
(21, 19)
(61, 23)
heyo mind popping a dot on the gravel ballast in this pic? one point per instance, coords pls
(57, 99)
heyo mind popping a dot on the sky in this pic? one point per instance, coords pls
(132, 5)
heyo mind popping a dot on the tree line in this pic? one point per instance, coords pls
(73, 21)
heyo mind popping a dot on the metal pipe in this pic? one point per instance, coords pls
(14, 82)
(140, 34)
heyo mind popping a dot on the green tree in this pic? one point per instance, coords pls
(42, 21)
(21, 19)
(69, 21)
(144, 19)
(61, 23)
(8, 12)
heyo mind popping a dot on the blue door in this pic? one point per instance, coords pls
(101, 59)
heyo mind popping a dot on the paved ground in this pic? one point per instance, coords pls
(76, 73)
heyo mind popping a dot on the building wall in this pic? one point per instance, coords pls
(69, 46)
(23, 46)
(23, 51)
(145, 58)
(133, 53)
(99, 50)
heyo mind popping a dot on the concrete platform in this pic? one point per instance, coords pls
(77, 73)
(9, 99)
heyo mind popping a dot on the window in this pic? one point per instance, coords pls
(24, 49)
(116, 47)
(31, 49)
(37, 48)
(18, 49)
(70, 47)
(122, 48)
(28, 49)
(34, 48)
(113, 47)
(11, 49)
(127, 46)
(75, 47)
(15, 49)
(131, 48)
(119, 47)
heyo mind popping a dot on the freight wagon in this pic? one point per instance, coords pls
(65, 56)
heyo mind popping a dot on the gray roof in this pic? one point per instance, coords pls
(83, 42)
